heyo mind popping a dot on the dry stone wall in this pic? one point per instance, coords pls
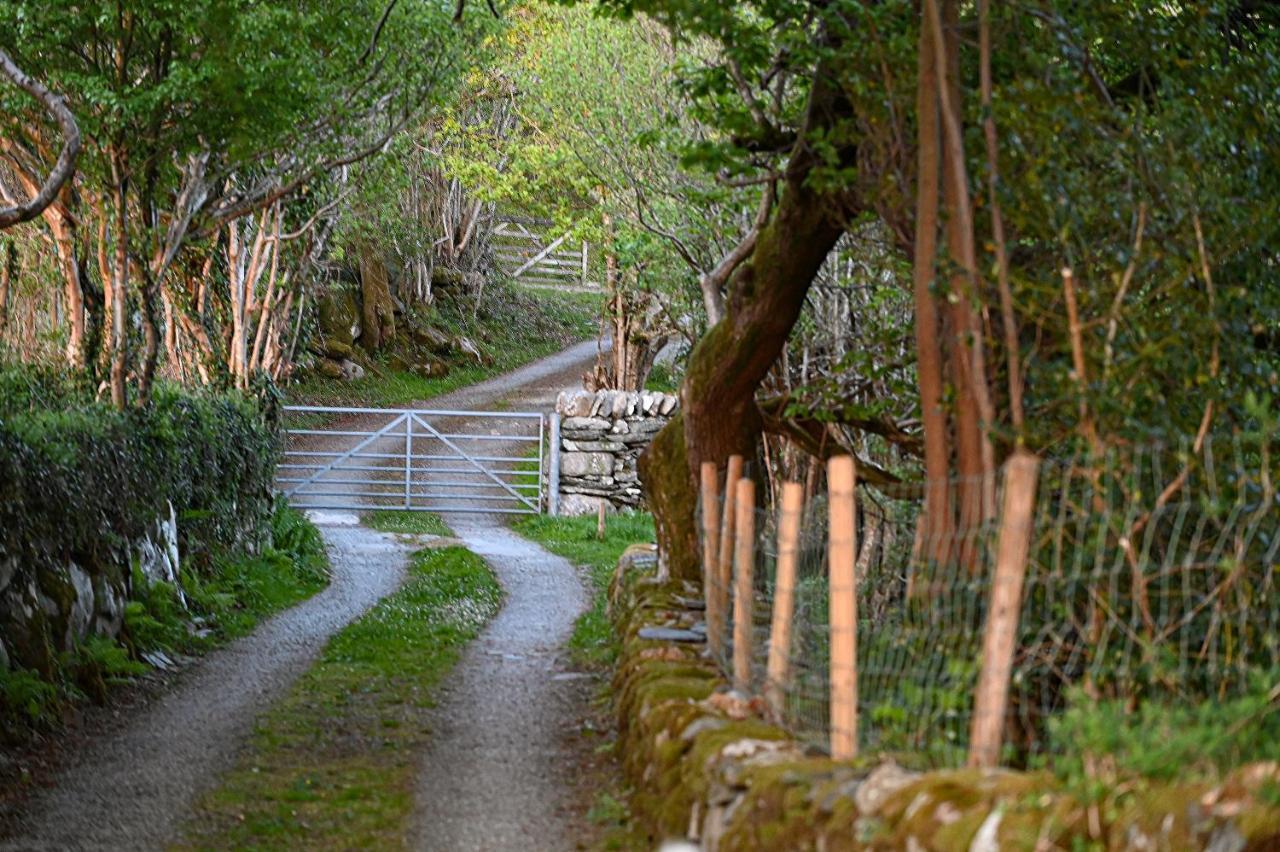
(602, 435)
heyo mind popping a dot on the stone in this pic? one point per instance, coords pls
(702, 725)
(619, 407)
(4, 657)
(431, 369)
(350, 370)
(339, 315)
(467, 347)
(575, 404)
(670, 634)
(592, 446)
(328, 368)
(433, 339)
(573, 505)
(885, 780)
(586, 464)
(585, 423)
(1226, 838)
(8, 567)
(80, 618)
(669, 403)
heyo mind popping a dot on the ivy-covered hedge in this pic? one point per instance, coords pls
(81, 484)
(76, 474)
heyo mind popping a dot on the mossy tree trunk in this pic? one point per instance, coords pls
(379, 311)
(719, 413)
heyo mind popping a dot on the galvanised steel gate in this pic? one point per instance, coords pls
(365, 459)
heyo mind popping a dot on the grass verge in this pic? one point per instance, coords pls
(331, 766)
(593, 644)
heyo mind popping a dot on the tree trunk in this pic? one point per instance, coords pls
(7, 266)
(935, 520)
(118, 297)
(973, 409)
(719, 414)
(379, 325)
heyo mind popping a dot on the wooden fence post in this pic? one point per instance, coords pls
(843, 547)
(724, 565)
(711, 556)
(1000, 635)
(744, 578)
(779, 668)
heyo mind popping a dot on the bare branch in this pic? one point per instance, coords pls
(65, 166)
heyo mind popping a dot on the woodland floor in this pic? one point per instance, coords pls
(507, 763)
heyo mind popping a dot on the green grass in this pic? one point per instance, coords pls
(237, 594)
(514, 328)
(404, 521)
(332, 765)
(593, 643)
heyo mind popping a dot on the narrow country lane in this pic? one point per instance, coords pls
(133, 789)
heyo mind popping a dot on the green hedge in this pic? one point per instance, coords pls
(77, 475)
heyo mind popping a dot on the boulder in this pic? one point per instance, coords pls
(433, 339)
(585, 423)
(431, 369)
(329, 368)
(469, 348)
(350, 371)
(339, 316)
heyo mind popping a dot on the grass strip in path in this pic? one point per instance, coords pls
(331, 766)
(406, 522)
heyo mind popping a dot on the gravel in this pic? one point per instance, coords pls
(500, 772)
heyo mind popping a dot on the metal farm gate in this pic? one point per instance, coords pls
(365, 459)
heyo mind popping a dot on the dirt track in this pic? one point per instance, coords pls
(132, 789)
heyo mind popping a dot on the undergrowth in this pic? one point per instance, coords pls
(593, 643)
(332, 765)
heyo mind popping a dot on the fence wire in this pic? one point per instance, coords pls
(1151, 577)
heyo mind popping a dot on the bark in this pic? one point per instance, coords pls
(972, 416)
(935, 520)
(766, 294)
(379, 325)
(118, 298)
(7, 267)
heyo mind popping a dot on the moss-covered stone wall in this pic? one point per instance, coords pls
(705, 765)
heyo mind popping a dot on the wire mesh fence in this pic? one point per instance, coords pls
(1145, 576)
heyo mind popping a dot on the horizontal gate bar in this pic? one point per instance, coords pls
(399, 495)
(423, 456)
(421, 412)
(400, 481)
(399, 473)
(493, 510)
(476, 437)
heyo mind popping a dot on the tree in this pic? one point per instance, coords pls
(197, 114)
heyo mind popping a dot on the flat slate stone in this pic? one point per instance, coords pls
(670, 634)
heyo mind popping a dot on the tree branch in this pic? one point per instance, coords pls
(65, 166)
